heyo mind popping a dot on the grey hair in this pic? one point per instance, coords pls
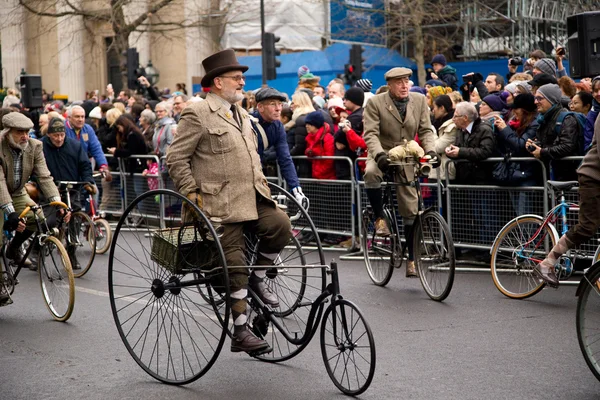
(70, 110)
(167, 106)
(149, 116)
(184, 98)
(468, 109)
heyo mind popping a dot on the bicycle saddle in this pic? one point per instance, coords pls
(563, 185)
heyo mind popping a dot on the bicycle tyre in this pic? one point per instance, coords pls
(435, 259)
(513, 275)
(338, 335)
(166, 325)
(8, 272)
(380, 253)
(85, 250)
(56, 279)
(103, 235)
(587, 321)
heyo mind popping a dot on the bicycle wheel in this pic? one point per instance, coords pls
(519, 247)
(8, 273)
(382, 254)
(434, 254)
(588, 319)
(171, 330)
(347, 347)
(103, 235)
(81, 242)
(298, 277)
(56, 279)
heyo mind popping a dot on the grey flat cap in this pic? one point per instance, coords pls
(15, 120)
(269, 93)
(398, 72)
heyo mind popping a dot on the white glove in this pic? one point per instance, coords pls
(300, 197)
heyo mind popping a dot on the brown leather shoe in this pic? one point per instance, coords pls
(411, 270)
(547, 275)
(246, 341)
(263, 292)
(381, 228)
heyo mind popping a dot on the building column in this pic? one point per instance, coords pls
(14, 41)
(198, 40)
(139, 40)
(70, 53)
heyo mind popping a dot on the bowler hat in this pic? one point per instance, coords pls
(219, 63)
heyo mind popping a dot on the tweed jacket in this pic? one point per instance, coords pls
(385, 129)
(213, 157)
(34, 163)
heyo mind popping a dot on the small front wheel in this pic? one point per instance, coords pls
(348, 347)
(56, 279)
(103, 235)
(434, 255)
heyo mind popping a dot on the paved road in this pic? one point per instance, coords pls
(478, 344)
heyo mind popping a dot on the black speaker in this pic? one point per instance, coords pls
(583, 31)
(31, 91)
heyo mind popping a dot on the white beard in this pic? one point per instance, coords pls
(14, 144)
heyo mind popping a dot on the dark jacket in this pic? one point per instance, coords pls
(108, 138)
(448, 75)
(509, 141)
(588, 133)
(278, 147)
(556, 146)
(69, 162)
(475, 146)
(134, 145)
(303, 167)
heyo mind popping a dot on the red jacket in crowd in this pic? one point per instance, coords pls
(320, 143)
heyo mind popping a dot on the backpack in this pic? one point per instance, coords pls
(580, 118)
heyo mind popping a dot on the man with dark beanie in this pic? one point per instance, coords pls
(353, 101)
(552, 145)
(589, 212)
(443, 71)
(390, 118)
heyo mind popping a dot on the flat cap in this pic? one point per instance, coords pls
(269, 93)
(15, 120)
(398, 72)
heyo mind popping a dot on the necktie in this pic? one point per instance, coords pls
(236, 117)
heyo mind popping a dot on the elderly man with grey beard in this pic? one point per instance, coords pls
(21, 157)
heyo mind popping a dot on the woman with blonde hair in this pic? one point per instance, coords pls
(108, 139)
(302, 106)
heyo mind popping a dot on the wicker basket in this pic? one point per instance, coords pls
(178, 249)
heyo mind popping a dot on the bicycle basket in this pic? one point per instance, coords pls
(182, 249)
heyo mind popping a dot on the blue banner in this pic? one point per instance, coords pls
(361, 21)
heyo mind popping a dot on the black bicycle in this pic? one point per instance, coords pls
(169, 291)
(588, 318)
(54, 268)
(433, 248)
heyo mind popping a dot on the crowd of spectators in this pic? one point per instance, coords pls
(534, 110)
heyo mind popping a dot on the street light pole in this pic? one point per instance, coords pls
(262, 42)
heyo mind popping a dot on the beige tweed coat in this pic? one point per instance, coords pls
(34, 163)
(213, 156)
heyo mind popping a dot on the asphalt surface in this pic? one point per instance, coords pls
(477, 344)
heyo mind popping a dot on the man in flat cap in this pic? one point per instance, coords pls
(21, 158)
(272, 139)
(67, 161)
(214, 161)
(389, 119)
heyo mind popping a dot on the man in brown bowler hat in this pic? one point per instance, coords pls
(213, 161)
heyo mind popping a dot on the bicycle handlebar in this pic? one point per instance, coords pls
(53, 203)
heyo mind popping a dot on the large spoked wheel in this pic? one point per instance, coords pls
(155, 271)
(588, 320)
(519, 247)
(382, 254)
(348, 347)
(8, 281)
(435, 259)
(103, 235)
(298, 277)
(56, 279)
(81, 242)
